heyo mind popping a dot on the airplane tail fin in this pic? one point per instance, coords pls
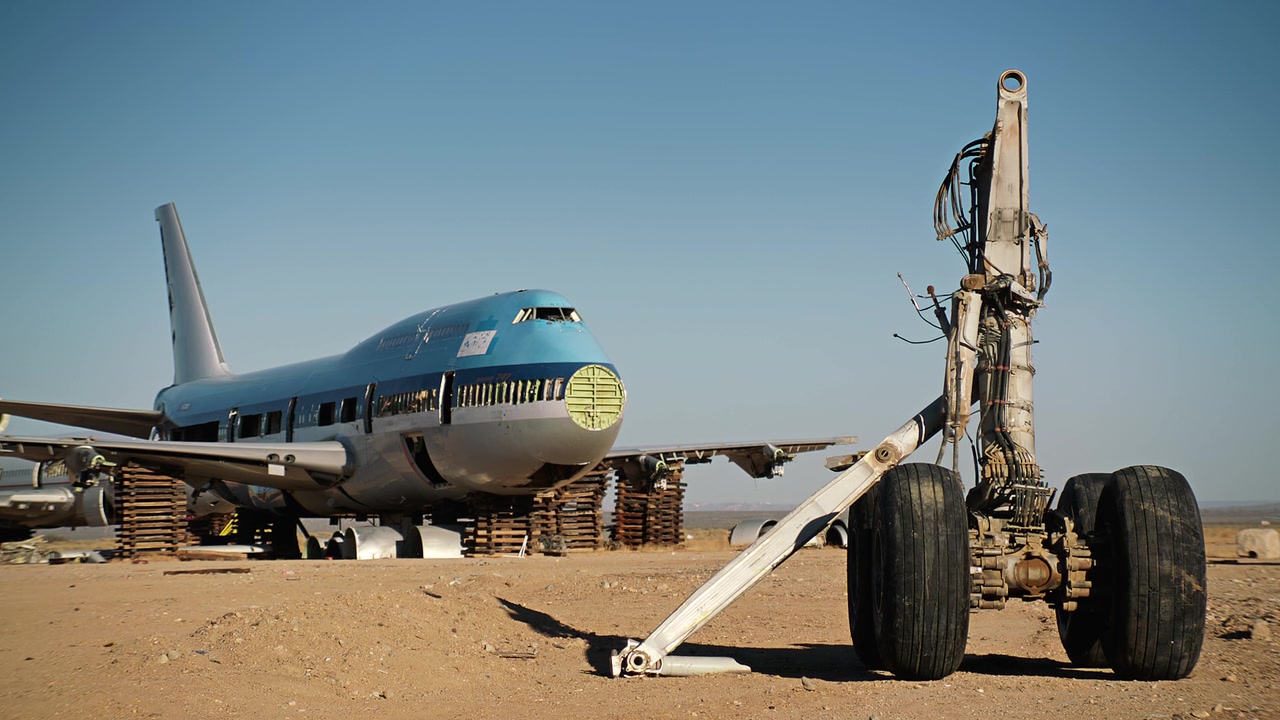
(196, 352)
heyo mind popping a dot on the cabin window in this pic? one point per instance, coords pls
(350, 408)
(274, 422)
(250, 425)
(204, 432)
(326, 413)
(559, 392)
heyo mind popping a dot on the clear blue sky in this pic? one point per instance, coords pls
(725, 190)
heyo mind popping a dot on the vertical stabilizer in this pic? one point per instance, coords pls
(196, 352)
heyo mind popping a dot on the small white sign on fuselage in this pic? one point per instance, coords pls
(476, 343)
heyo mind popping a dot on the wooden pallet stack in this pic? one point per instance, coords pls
(570, 518)
(207, 530)
(650, 512)
(152, 511)
(501, 524)
(278, 534)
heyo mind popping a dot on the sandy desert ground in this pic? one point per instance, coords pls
(426, 639)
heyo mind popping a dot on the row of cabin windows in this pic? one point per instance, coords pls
(515, 392)
(408, 402)
(252, 425)
(327, 413)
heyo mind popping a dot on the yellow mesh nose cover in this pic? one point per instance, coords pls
(594, 397)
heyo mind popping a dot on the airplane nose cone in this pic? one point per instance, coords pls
(594, 397)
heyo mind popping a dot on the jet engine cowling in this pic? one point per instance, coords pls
(59, 506)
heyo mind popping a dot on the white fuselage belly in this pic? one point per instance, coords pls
(488, 449)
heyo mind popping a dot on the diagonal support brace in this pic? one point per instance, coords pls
(790, 534)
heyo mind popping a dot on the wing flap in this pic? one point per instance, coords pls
(285, 466)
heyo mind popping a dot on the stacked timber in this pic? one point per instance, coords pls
(501, 525)
(650, 512)
(262, 529)
(211, 529)
(570, 518)
(152, 508)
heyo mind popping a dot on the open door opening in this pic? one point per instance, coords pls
(415, 446)
(446, 398)
(368, 408)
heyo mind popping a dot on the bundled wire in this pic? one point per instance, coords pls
(952, 220)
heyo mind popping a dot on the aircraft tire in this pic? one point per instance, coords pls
(920, 571)
(861, 616)
(1155, 577)
(1081, 631)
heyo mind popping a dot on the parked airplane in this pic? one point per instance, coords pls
(506, 395)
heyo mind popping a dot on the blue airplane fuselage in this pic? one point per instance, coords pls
(508, 394)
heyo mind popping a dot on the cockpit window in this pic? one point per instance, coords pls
(550, 314)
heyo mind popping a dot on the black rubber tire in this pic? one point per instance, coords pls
(1081, 631)
(920, 572)
(862, 624)
(1154, 574)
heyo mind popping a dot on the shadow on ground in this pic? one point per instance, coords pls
(834, 663)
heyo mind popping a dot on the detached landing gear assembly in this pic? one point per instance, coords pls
(1121, 558)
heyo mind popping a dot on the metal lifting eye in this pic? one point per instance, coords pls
(1012, 81)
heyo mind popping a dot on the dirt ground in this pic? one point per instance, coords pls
(426, 639)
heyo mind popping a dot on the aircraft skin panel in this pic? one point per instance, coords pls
(463, 453)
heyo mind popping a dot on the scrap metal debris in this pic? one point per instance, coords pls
(24, 552)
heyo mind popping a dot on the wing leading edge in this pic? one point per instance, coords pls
(759, 459)
(285, 466)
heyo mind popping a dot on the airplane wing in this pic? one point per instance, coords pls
(132, 423)
(759, 459)
(286, 466)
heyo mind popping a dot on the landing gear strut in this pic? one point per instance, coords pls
(1121, 559)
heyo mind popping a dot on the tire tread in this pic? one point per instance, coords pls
(1152, 524)
(924, 601)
